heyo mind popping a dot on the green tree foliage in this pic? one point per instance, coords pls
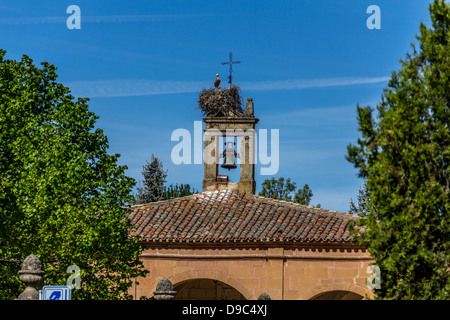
(177, 191)
(362, 207)
(404, 154)
(154, 185)
(303, 195)
(282, 189)
(62, 195)
(154, 180)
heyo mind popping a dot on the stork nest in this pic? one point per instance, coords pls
(221, 102)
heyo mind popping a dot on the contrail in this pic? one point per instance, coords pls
(101, 19)
(143, 87)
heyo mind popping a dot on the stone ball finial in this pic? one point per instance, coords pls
(264, 296)
(164, 290)
(31, 263)
(31, 274)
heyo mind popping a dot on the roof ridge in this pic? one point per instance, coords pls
(165, 200)
(290, 203)
(225, 191)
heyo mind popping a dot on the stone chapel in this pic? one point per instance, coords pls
(227, 243)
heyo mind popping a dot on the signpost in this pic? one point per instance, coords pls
(56, 293)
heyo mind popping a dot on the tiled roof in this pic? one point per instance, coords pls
(231, 216)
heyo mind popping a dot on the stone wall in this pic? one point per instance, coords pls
(291, 272)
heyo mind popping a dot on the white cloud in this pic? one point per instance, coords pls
(310, 83)
(142, 87)
(126, 88)
(32, 20)
(137, 18)
(100, 19)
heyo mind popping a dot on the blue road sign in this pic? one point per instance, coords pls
(56, 293)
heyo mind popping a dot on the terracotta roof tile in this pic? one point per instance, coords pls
(233, 216)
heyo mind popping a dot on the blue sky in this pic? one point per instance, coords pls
(306, 63)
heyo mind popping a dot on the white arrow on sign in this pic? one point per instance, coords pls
(56, 293)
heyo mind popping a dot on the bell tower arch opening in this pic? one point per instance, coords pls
(229, 160)
(229, 144)
(206, 289)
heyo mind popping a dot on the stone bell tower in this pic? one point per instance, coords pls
(239, 124)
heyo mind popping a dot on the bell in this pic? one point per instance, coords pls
(229, 165)
(229, 155)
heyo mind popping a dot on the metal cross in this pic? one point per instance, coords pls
(231, 62)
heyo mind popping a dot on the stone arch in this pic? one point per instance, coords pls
(311, 294)
(213, 275)
(315, 292)
(337, 295)
(206, 289)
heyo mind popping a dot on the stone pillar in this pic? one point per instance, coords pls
(164, 290)
(31, 274)
(247, 167)
(210, 160)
